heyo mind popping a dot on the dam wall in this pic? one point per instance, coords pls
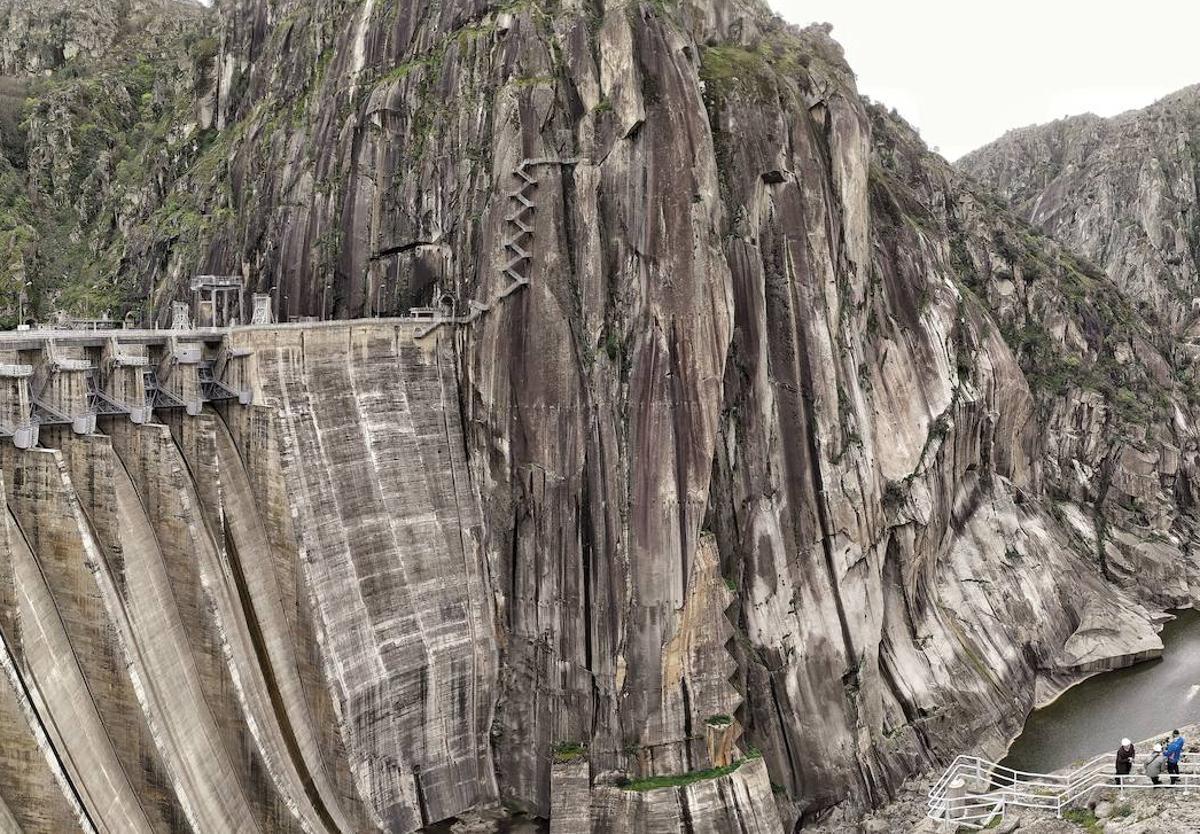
(246, 586)
(242, 584)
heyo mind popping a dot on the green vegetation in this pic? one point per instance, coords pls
(725, 69)
(1084, 818)
(104, 129)
(569, 751)
(721, 720)
(678, 780)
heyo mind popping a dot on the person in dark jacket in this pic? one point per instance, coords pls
(1125, 754)
(1154, 764)
(1174, 754)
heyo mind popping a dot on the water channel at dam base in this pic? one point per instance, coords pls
(1136, 702)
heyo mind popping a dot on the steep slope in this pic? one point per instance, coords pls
(755, 307)
(732, 321)
(1122, 191)
(91, 95)
(40, 36)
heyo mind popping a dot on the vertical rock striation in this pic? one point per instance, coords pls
(778, 462)
(1121, 191)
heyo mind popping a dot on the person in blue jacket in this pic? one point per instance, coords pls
(1173, 754)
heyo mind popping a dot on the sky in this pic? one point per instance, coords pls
(965, 72)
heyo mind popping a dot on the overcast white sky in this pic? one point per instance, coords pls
(965, 72)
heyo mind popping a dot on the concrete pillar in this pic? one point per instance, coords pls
(233, 370)
(262, 309)
(183, 377)
(956, 798)
(125, 378)
(15, 406)
(180, 319)
(206, 315)
(570, 796)
(64, 386)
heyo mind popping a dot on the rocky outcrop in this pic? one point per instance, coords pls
(793, 464)
(1121, 191)
(40, 36)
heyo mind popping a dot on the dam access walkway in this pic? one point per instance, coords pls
(975, 793)
(70, 377)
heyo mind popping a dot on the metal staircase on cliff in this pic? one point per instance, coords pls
(517, 245)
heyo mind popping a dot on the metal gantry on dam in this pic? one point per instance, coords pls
(70, 377)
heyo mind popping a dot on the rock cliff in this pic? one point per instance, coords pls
(41, 36)
(801, 464)
(756, 310)
(1122, 191)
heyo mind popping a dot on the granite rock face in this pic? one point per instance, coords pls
(1121, 191)
(778, 462)
(756, 308)
(40, 36)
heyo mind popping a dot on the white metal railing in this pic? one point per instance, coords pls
(973, 791)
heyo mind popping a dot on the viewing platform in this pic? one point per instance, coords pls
(976, 794)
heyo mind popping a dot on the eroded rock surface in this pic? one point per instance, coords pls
(1121, 191)
(776, 443)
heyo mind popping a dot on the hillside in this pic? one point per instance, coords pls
(1122, 191)
(97, 102)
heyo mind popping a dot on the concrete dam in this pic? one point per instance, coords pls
(243, 586)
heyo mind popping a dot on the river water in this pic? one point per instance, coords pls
(1136, 702)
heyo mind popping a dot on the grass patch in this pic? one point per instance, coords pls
(718, 720)
(678, 780)
(1084, 818)
(568, 751)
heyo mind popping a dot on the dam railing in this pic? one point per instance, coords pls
(974, 792)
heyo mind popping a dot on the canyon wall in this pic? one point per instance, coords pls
(1121, 190)
(748, 312)
(776, 451)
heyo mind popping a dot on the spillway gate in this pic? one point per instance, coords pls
(71, 378)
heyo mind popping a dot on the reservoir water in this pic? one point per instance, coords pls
(1136, 702)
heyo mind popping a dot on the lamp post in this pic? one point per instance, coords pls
(22, 300)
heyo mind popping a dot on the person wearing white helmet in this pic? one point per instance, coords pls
(1154, 764)
(1125, 755)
